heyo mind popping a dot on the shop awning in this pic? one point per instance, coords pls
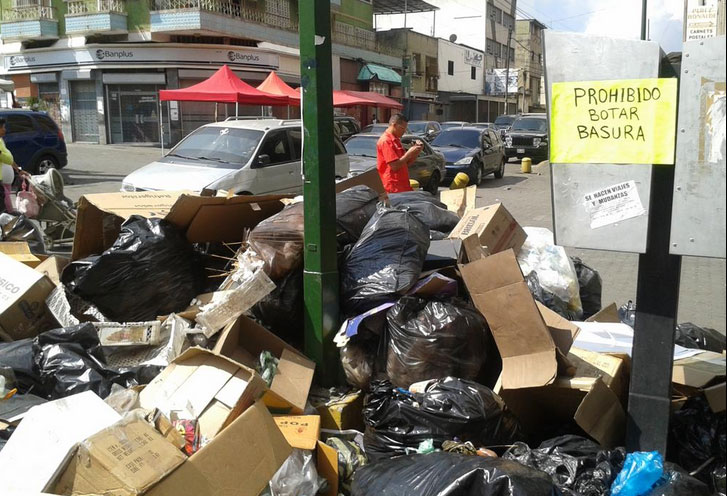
(348, 98)
(7, 85)
(276, 86)
(383, 74)
(223, 87)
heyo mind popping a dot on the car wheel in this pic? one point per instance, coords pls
(477, 173)
(499, 173)
(43, 164)
(433, 184)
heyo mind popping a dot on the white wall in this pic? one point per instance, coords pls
(462, 78)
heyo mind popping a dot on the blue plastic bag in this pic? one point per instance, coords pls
(641, 471)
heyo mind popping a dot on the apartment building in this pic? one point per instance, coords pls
(529, 61)
(461, 81)
(98, 65)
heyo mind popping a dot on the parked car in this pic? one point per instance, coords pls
(428, 169)
(504, 122)
(346, 126)
(449, 124)
(377, 128)
(427, 130)
(484, 125)
(241, 156)
(476, 152)
(528, 137)
(36, 142)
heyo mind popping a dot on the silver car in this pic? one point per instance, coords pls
(242, 156)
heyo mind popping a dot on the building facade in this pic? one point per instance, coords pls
(500, 54)
(529, 61)
(97, 65)
(461, 82)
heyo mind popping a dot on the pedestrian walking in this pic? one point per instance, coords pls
(8, 170)
(392, 161)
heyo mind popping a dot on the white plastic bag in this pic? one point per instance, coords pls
(26, 202)
(556, 272)
(297, 476)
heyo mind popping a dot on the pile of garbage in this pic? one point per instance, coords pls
(163, 357)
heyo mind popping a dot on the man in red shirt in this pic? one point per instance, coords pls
(392, 161)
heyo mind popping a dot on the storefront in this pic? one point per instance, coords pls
(110, 93)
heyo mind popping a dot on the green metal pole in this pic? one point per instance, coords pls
(320, 279)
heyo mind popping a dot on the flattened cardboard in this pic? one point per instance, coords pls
(23, 312)
(499, 291)
(370, 178)
(19, 251)
(606, 315)
(125, 459)
(717, 397)
(239, 461)
(244, 340)
(459, 201)
(496, 228)
(699, 370)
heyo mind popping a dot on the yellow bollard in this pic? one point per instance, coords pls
(526, 165)
(461, 180)
(414, 184)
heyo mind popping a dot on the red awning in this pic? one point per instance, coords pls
(348, 98)
(223, 87)
(276, 86)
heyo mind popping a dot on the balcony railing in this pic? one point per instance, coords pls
(30, 13)
(365, 39)
(98, 7)
(231, 10)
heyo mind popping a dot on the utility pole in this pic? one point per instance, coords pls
(320, 277)
(507, 68)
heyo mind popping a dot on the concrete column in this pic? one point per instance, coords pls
(100, 108)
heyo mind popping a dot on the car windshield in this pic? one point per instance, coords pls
(416, 127)
(220, 147)
(538, 125)
(362, 147)
(375, 128)
(463, 138)
(504, 121)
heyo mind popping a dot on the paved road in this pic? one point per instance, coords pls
(100, 169)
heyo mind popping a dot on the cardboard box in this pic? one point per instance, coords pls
(20, 252)
(52, 267)
(125, 459)
(244, 340)
(702, 373)
(303, 432)
(23, 312)
(239, 461)
(496, 228)
(45, 439)
(212, 388)
(498, 290)
(459, 201)
(341, 413)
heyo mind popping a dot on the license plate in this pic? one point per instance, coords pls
(521, 150)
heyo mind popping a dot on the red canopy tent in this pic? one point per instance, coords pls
(366, 98)
(275, 86)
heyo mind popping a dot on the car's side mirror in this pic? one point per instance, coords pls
(263, 159)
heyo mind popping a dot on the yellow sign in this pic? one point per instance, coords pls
(628, 121)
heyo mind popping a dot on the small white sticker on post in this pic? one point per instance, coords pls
(614, 204)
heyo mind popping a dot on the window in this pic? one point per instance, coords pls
(490, 47)
(277, 147)
(473, 72)
(297, 136)
(19, 124)
(220, 146)
(416, 63)
(450, 67)
(486, 140)
(494, 137)
(512, 55)
(46, 123)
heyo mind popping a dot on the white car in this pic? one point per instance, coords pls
(242, 156)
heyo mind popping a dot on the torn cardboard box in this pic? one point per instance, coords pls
(52, 267)
(495, 227)
(498, 290)
(703, 372)
(239, 461)
(459, 201)
(20, 252)
(125, 459)
(23, 312)
(339, 412)
(244, 340)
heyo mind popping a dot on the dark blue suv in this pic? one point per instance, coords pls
(36, 142)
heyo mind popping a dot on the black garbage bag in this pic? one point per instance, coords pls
(354, 208)
(406, 198)
(385, 262)
(427, 208)
(18, 355)
(21, 228)
(358, 359)
(590, 284)
(397, 421)
(698, 440)
(577, 466)
(719, 480)
(281, 311)
(278, 240)
(150, 270)
(676, 482)
(701, 338)
(434, 339)
(549, 299)
(450, 474)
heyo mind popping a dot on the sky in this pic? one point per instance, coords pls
(616, 18)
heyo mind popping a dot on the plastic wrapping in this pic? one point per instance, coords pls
(450, 474)
(577, 465)
(590, 287)
(676, 482)
(555, 270)
(627, 313)
(18, 356)
(281, 311)
(150, 270)
(641, 472)
(434, 339)
(351, 457)
(354, 208)
(547, 298)
(702, 338)
(278, 240)
(297, 476)
(21, 228)
(397, 421)
(385, 262)
(358, 359)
